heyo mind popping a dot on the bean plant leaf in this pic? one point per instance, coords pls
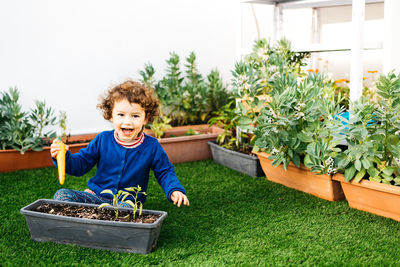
(307, 161)
(130, 203)
(140, 208)
(290, 153)
(104, 205)
(357, 165)
(125, 196)
(245, 121)
(372, 171)
(366, 163)
(387, 177)
(343, 163)
(376, 179)
(349, 173)
(296, 160)
(107, 191)
(360, 175)
(397, 180)
(305, 138)
(130, 189)
(388, 171)
(256, 148)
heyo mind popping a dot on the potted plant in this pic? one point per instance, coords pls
(187, 143)
(188, 99)
(298, 130)
(233, 148)
(370, 167)
(187, 102)
(25, 136)
(252, 75)
(101, 227)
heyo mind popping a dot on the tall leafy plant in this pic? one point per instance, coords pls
(298, 125)
(372, 135)
(186, 96)
(227, 118)
(252, 75)
(22, 130)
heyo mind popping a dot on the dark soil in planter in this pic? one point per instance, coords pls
(95, 213)
(245, 150)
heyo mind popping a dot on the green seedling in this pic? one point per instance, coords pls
(120, 198)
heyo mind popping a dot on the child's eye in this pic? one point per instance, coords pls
(136, 116)
(120, 114)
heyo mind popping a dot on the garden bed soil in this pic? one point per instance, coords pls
(86, 225)
(95, 213)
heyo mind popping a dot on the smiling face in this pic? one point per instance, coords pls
(128, 119)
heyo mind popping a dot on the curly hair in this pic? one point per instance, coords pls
(135, 92)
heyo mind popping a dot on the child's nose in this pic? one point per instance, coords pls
(128, 120)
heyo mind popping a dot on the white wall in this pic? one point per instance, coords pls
(70, 52)
(336, 29)
(335, 23)
(391, 36)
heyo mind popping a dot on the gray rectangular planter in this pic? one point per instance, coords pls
(99, 234)
(247, 164)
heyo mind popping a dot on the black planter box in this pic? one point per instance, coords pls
(98, 234)
(247, 164)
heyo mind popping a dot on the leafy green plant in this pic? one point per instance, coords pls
(42, 117)
(227, 118)
(148, 75)
(22, 130)
(160, 125)
(372, 134)
(299, 124)
(191, 132)
(252, 75)
(62, 122)
(218, 95)
(342, 92)
(186, 97)
(121, 197)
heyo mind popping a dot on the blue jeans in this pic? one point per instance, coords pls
(83, 197)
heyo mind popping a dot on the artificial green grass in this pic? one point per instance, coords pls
(233, 219)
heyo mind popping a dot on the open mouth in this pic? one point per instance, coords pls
(127, 131)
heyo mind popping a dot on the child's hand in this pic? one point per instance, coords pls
(178, 197)
(55, 147)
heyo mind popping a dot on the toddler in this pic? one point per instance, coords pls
(125, 155)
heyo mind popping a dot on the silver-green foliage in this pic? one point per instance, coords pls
(22, 130)
(121, 197)
(252, 75)
(373, 134)
(299, 124)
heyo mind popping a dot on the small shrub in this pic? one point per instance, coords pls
(187, 98)
(24, 130)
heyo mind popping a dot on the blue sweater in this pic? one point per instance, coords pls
(119, 167)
